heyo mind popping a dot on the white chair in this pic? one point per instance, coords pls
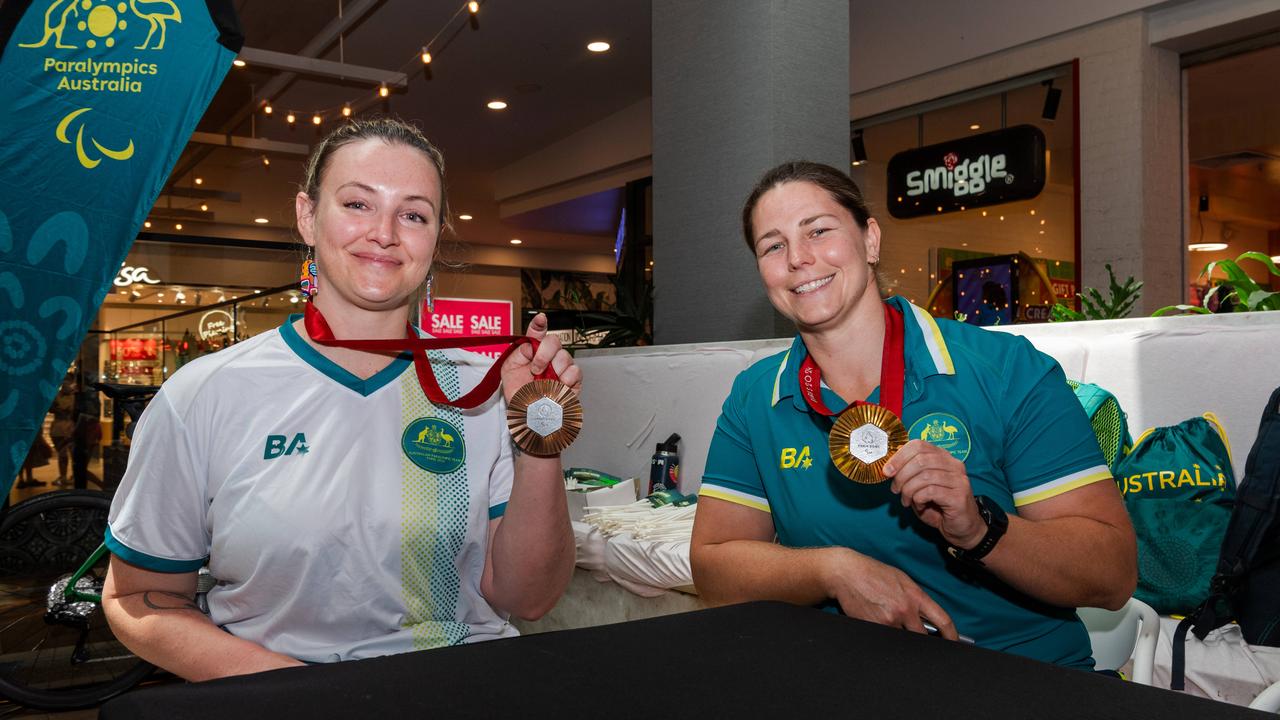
(1120, 634)
(1268, 700)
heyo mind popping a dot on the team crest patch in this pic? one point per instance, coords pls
(433, 445)
(945, 431)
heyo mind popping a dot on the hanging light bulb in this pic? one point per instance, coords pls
(204, 207)
(266, 109)
(426, 55)
(315, 119)
(383, 91)
(290, 118)
(346, 110)
(266, 161)
(473, 6)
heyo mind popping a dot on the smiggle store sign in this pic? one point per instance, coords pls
(988, 169)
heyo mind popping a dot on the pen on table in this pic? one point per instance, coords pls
(933, 630)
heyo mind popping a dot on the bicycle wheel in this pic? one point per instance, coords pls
(69, 658)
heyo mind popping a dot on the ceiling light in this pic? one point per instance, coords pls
(267, 108)
(261, 221)
(975, 126)
(383, 91)
(146, 224)
(204, 207)
(1275, 258)
(473, 6)
(315, 119)
(346, 110)
(293, 298)
(177, 226)
(137, 294)
(598, 46)
(497, 105)
(1207, 247)
(199, 181)
(856, 163)
(426, 55)
(464, 217)
(180, 295)
(237, 62)
(516, 241)
(266, 161)
(1033, 212)
(291, 118)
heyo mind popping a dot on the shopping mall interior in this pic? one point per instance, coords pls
(597, 155)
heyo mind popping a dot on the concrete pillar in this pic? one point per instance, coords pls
(738, 87)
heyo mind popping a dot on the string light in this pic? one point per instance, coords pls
(266, 109)
(346, 110)
(473, 6)
(146, 224)
(426, 56)
(290, 118)
(383, 91)
(237, 62)
(315, 119)
(204, 207)
(266, 161)
(199, 181)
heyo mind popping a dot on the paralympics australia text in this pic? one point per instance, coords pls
(118, 76)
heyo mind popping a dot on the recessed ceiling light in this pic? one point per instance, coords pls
(1207, 247)
(516, 241)
(261, 221)
(204, 207)
(199, 181)
(464, 217)
(238, 62)
(598, 46)
(975, 126)
(1275, 258)
(146, 224)
(177, 226)
(497, 105)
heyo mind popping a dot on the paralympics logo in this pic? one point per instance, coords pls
(943, 430)
(434, 445)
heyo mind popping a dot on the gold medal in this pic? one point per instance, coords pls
(544, 417)
(863, 439)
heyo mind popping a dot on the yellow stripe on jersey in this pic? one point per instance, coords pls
(1061, 485)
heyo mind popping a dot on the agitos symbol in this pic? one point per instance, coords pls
(81, 155)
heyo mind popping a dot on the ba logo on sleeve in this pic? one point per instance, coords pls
(433, 445)
(945, 431)
(278, 445)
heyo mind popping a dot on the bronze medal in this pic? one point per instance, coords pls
(544, 417)
(863, 439)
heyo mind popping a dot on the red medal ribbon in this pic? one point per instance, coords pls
(892, 371)
(318, 330)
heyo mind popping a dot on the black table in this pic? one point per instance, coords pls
(754, 660)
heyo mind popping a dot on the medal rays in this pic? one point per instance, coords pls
(544, 417)
(863, 439)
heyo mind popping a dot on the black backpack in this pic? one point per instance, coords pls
(1246, 586)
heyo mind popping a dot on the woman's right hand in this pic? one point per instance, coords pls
(871, 590)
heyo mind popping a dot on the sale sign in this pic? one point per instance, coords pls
(458, 317)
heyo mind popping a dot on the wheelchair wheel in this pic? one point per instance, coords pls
(56, 655)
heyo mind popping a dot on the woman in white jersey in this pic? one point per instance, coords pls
(343, 513)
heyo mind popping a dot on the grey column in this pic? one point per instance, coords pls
(738, 87)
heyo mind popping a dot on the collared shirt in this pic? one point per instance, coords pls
(990, 399)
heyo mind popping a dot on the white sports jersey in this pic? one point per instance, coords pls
(343, 518)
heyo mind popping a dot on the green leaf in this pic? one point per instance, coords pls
(1262, 258)
(1181, 310)
(1256, 299)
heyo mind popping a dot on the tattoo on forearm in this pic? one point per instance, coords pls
(161, 600)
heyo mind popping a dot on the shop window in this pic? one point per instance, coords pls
(1233, 178)
(1018, 235)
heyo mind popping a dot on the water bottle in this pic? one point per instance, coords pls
(664, 469)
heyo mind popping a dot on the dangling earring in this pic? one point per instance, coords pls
(309, 280)
(431, 305)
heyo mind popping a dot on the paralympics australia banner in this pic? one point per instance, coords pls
(98, 99)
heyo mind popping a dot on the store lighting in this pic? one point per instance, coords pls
(975, 126)
(858, 148)
(261, 221)
(237, 62)
(426, 55)
(293, 299)
(1207, 247)
(315, 119)
(473, 6)
(464, 217)
(204, 207)
(598, 46)
(516, 241)
(383, 91)
(137, 294)
(266, 108)
(266, 161)
(291, 118)
(146, 224)
(346, 110)
(199, 181)
(1275, 258)
(177, 226)
(496, 105)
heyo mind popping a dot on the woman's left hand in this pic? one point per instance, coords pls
(523, 365)
(935, 485)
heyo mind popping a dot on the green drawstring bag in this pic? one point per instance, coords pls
(1179, 489)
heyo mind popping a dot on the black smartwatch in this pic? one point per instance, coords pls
(997, 523)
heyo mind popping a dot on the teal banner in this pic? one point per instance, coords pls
(99, 97)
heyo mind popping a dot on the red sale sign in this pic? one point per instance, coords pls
(458, 317)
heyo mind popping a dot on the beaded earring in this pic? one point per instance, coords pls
(309, 280)
(431, 305)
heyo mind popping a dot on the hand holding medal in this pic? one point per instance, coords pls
(544, 415)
